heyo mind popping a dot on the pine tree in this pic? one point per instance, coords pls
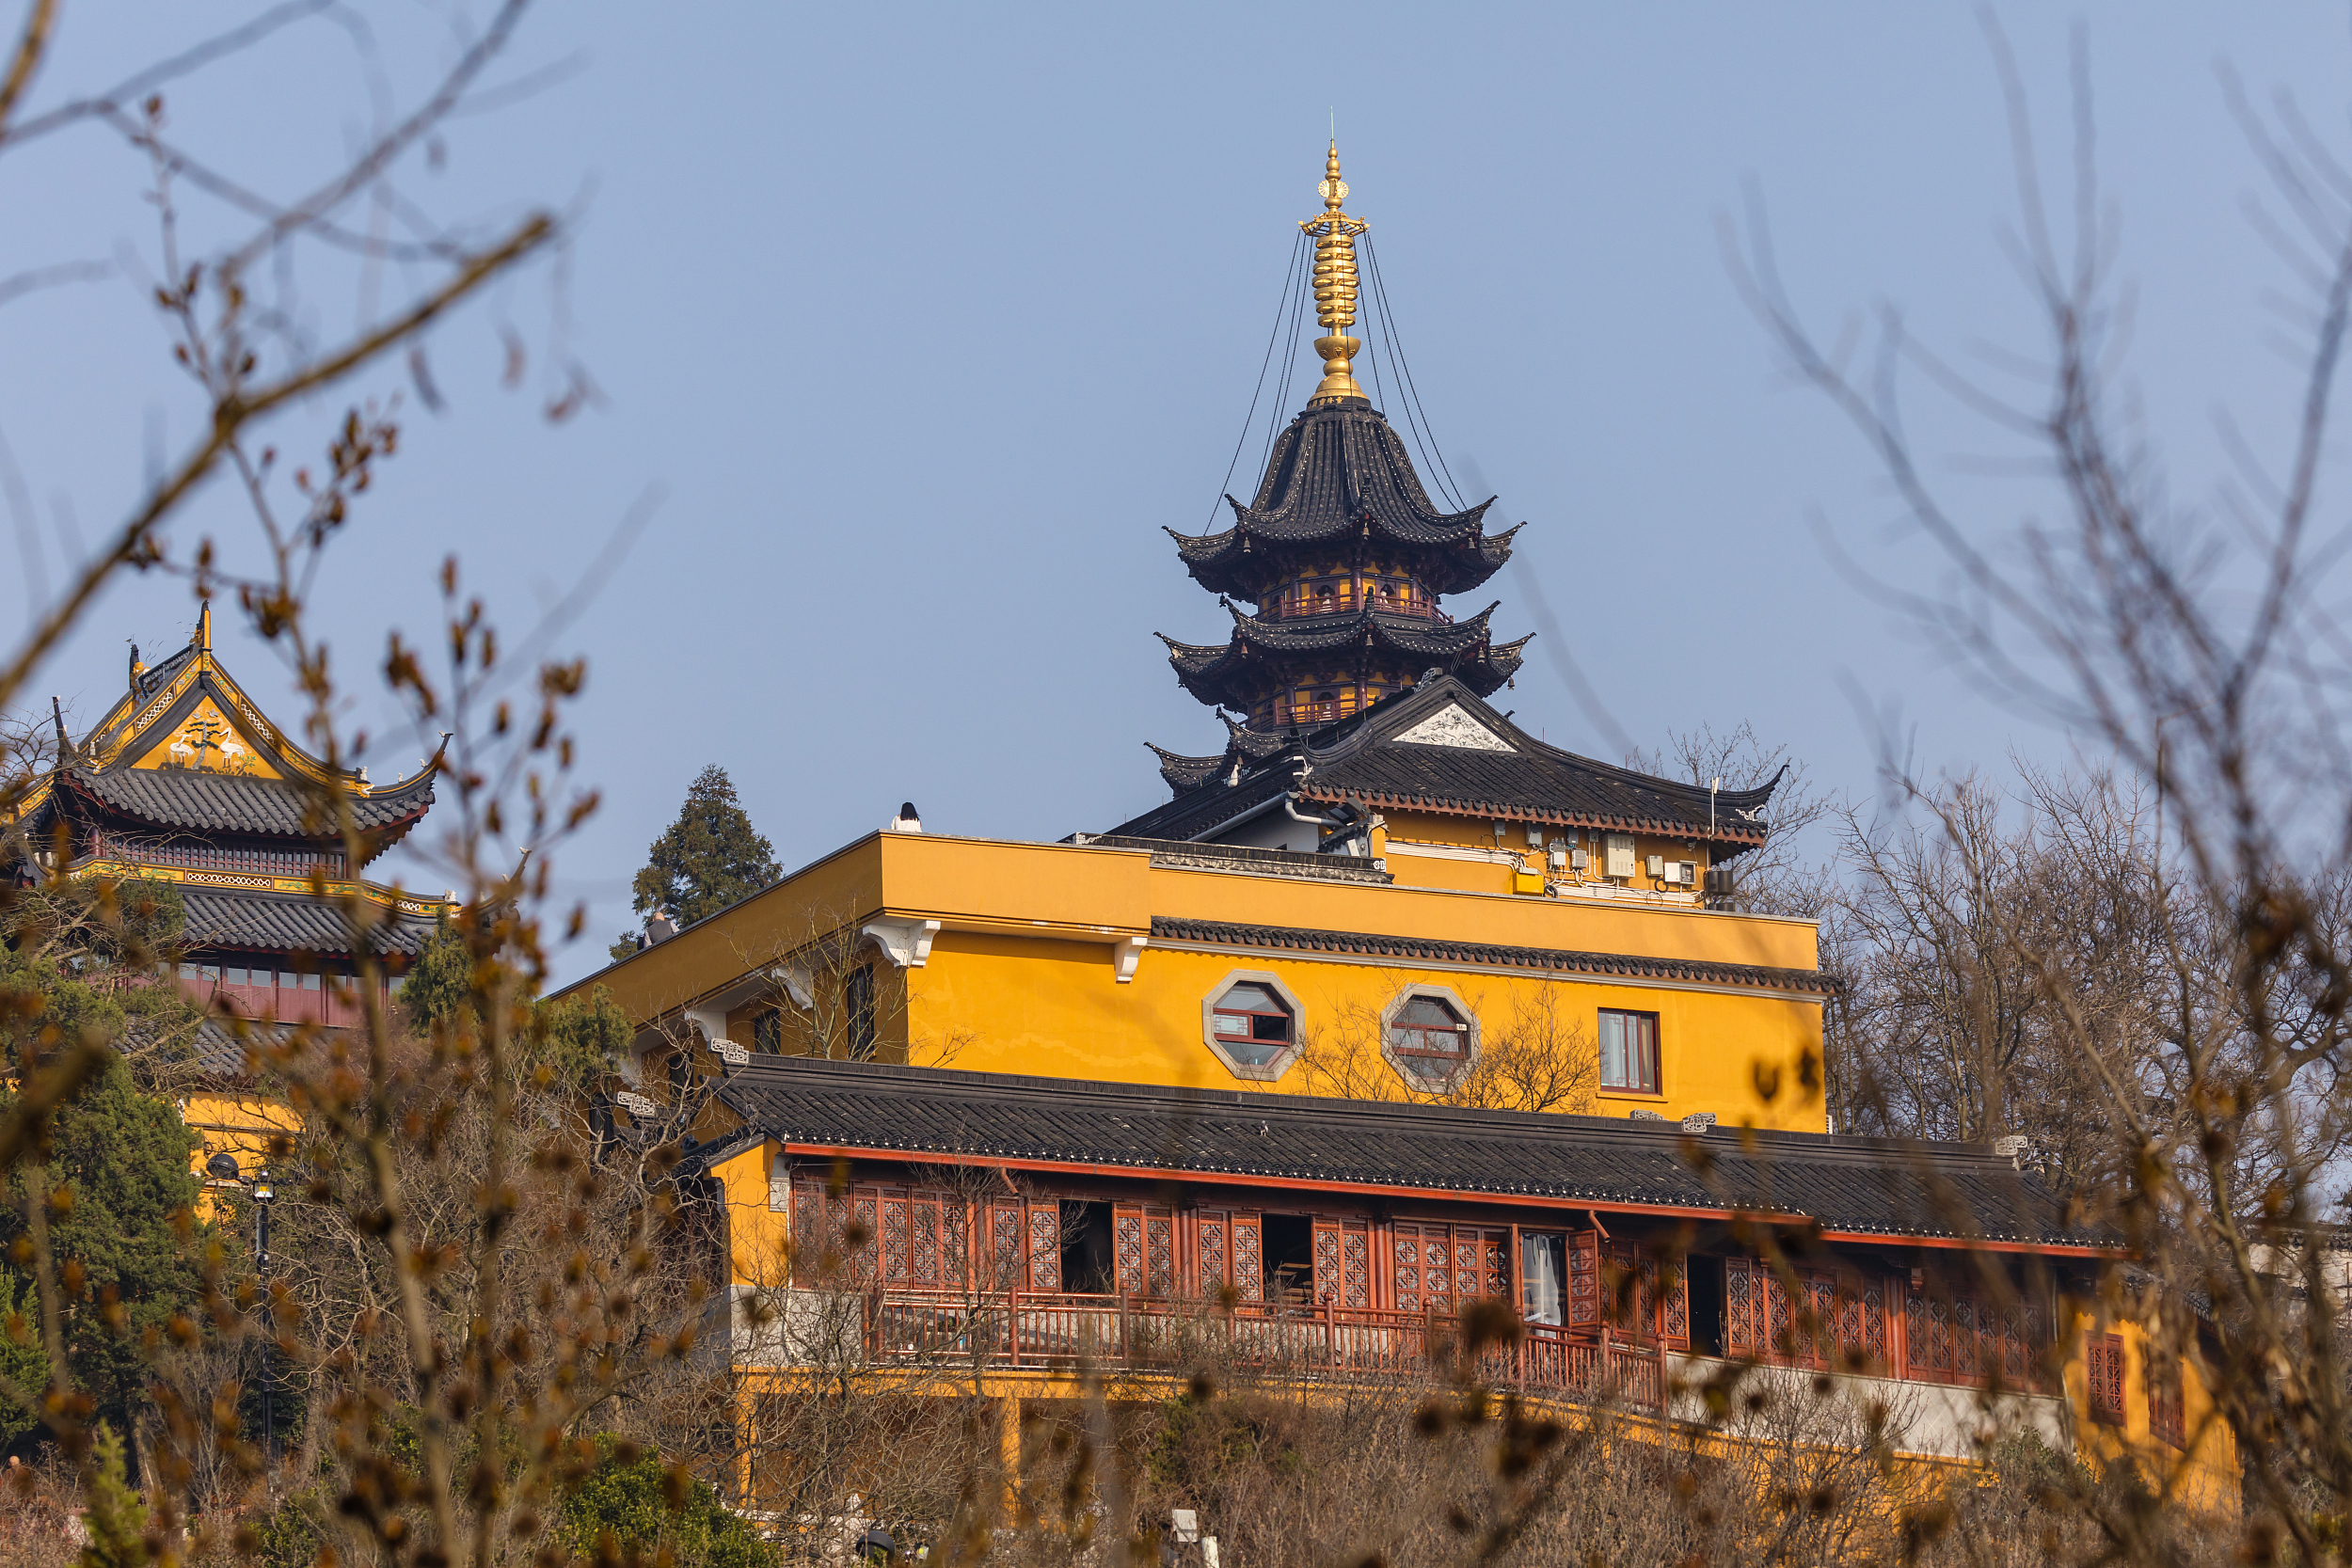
(129, 1225)
(707, 858)
(115, 1516)
(439, 979)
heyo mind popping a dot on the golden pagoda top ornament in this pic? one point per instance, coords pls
(1334, 233)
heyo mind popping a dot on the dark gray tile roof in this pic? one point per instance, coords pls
(1292, 939)
(1235, 674)
(217, 1054)
(288, 922)
(1246, 858)
(1361, 760)
(1339, 471)
(1895, 1188)
(225, 802)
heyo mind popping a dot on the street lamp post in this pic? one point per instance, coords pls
(223, 1168)
(265, 1195)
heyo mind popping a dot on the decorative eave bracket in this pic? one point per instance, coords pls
(903, 941)
(1125, 954)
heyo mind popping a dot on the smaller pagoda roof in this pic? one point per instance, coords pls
(293, 922)
(185, 751)
(1438, 748)
(1183, 772)
(187, 800)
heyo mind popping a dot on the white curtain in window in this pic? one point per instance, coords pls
(1542, 1268)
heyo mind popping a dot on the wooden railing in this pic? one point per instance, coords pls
(1028, 1328)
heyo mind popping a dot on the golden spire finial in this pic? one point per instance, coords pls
(1335, 284)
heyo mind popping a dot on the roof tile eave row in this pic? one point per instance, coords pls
(1679, 828)
(1224, 933)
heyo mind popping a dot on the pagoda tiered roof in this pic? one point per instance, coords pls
(1232, 672)
(1339, 473)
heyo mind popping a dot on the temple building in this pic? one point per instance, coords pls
(1388, 1006)
(185, 781)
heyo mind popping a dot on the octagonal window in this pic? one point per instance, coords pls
(1430, 1038)
(1251, 1023)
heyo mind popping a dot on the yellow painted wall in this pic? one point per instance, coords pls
(1009, 1004)
(2204, 1477)
(1022, 977)
(239, 1125)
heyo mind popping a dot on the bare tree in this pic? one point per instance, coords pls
(1781, 877)
(2197, 644)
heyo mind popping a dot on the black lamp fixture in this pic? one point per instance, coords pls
(223, 1166)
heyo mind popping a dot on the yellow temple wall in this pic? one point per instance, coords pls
(236, 1124)
(1021, 975)
(2205, 1476)
(1015, 1005)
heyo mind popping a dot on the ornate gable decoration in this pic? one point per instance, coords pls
(207, 741)
(1451, 726)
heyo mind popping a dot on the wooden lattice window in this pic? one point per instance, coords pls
(1045, 1246)
(897, 1236)
(2104, 1362)
(1342, 1253)
(1210, 1231)
(1228, 1248)
(1143, 1250)
(1643, 1299)
(1965, 1339)
(1827, 1320)
(2167, 1421)
(1583, 1291)
(1008, 1242)
(1439, 1266)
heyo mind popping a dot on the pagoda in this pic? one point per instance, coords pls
(1341, 556)
(185, 781)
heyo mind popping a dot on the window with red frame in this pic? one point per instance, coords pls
(2104, 1358)
(1628, 1052)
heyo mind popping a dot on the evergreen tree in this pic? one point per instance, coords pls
(440, 980)
(122, 1201)
(82, 964)
(707, 858)
(581, 1039)
(633, 1501)
(115, 1516)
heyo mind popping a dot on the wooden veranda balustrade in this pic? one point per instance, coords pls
(1033, 1328)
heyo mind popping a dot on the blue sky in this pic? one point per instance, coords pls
(923, 322)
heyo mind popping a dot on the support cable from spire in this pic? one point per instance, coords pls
(1281, 309)
(1379, 388)
(1433, 457)
(1279, 412)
